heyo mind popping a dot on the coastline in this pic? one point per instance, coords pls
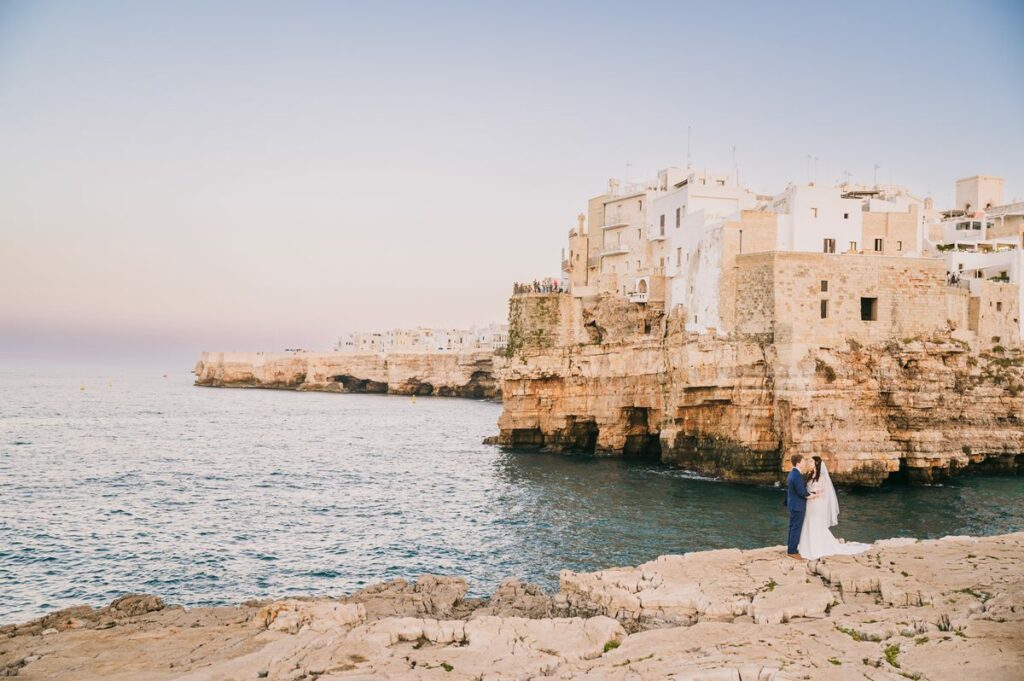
(452, 374)
(946, 608)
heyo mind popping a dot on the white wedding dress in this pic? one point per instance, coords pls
(816, 540)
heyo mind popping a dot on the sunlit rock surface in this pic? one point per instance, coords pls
(612, 379)
(945, 609)
(468, 374)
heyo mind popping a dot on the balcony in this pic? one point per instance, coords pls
(613, 250)
(637, 297)
(614, 223)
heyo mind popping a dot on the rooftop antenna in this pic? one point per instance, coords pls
(735, 165)
(626, 180)
(846, 176)
(689, 155)
(815, 178)
(875, 176)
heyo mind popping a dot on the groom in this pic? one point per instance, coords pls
(796, 502)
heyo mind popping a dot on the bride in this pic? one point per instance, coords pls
(816, 541)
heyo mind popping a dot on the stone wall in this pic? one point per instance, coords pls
(898, 232)
(538, 321)
(994, 313)
(782, 294)
(470, 374)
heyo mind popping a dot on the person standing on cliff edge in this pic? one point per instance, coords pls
(796, 501)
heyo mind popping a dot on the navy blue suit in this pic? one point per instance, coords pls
(796, 502)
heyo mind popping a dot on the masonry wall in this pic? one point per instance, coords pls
(754, 294)
(538, 321)
(909, 295)
(898, 232)
(995, 313)
(754, 232)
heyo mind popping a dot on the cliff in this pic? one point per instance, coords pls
(945, 609)
(609, 377)
(470, 374)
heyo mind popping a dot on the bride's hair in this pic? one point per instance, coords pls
(817, 468)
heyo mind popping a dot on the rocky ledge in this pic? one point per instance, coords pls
(943, 609)
(464, 374)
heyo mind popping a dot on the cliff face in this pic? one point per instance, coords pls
(737, 407)
(443, 374)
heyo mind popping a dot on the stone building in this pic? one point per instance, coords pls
(680, 243)
(423, 340)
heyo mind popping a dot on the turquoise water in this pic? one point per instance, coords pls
(207, 496)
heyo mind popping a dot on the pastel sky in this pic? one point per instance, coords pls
(183, 176)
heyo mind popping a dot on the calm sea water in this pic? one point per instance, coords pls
(141, 483)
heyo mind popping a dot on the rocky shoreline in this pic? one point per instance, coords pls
(464, 374)
(951, 608)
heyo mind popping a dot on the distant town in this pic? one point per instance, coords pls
(425, 340)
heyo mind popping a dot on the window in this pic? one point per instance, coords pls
(814, 212)
(824, 286)
(721, 183)
(878, 245)
(639, 233)
(960, 267)
(869, 309)
(641, 204)
(679, 257)
(679, 213)
(830, 245)
(824, 309)
(999, 307)
(846, 216)
(741, 241)
(638, 264)
(662, 228)
(853, 245)
(899, 245)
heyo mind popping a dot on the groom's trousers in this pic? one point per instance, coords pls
(796, 523)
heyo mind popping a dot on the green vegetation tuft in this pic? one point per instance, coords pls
(611, 645)
(856, 635)
(892, 654)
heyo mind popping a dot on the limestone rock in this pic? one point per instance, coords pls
(729, 614)
(736, 407)
(465, 374)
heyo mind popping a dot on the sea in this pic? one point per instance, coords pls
(115, 482)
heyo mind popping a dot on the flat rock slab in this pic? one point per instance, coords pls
(951, 608)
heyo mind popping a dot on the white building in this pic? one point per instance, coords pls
(425, 340)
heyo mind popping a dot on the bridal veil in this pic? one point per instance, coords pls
(831, 500)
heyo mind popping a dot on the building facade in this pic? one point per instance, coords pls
(687, 241)
(422, 340)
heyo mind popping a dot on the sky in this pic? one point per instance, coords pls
(186, 176)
